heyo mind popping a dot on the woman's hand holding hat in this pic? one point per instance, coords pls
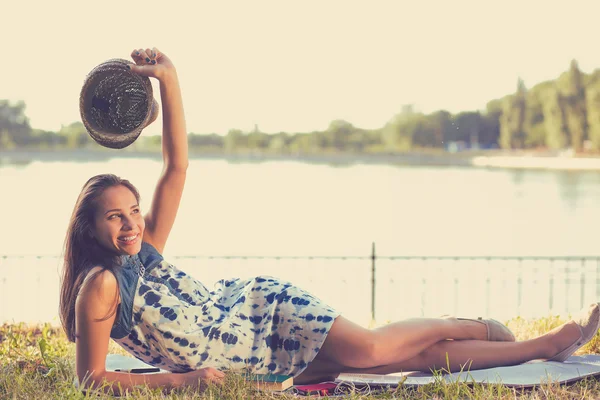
(151, 63)
(116, 101)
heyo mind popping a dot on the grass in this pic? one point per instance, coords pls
(38, 363)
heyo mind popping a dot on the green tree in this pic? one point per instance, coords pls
(397, 134)
(47, 139)
(15, 123)
(490, 136)
(512, 134)
(533, 125)
(258, 140)
(467, 128)
(279, 143)
(6, 142)
(235, 140)
(337, 134)
(210, 142)
(441, 124)
(592, 100)
(572, 100)
(554, 121)
(301, 143)
(76, 135)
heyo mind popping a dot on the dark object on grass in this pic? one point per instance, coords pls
(116, 104)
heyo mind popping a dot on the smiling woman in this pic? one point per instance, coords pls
(116, 285)
(93, 236)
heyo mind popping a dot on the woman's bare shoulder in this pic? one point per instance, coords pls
(100, 284)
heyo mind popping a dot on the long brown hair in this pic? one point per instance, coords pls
(81, 251)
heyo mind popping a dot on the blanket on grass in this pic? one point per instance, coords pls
(526, 375)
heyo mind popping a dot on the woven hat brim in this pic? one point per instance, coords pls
(112, 139)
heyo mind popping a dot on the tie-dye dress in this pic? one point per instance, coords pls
(172, 321)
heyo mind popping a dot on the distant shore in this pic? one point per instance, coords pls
(25, 156)
(477, 159)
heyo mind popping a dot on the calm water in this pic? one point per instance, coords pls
(292, 208)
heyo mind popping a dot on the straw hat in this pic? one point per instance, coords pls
(116, 104)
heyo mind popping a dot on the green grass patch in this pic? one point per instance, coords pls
(37, 362)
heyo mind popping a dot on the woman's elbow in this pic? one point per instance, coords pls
(179, 167)
(90, 380)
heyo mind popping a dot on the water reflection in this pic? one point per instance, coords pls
(294, 208)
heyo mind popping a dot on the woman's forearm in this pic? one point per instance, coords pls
(174, 137)
(119, 382)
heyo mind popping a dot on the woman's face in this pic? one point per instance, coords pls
(119, 224)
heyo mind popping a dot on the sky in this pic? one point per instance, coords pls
(295, 66)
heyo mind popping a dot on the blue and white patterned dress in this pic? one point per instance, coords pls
(172, 321)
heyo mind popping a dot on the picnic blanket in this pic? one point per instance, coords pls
(526, 375)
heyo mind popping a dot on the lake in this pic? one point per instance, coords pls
(290, 208)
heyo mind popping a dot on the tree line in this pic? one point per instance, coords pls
(556, 114)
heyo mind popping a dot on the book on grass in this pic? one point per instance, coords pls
(269, 381)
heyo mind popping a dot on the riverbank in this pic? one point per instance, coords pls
(479, 159)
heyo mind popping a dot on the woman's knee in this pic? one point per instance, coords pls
(379, 351)
(352, 346)
(374, 352)
(369, 353)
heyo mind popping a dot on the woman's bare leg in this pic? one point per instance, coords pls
(464, 355)
(353, 346)
(394, 342)
(461, 355)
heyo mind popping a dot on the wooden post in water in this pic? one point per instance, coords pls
(373, 257)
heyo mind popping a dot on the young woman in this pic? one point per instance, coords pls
(117, 285)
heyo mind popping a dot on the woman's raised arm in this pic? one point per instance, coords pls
(167, 195)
